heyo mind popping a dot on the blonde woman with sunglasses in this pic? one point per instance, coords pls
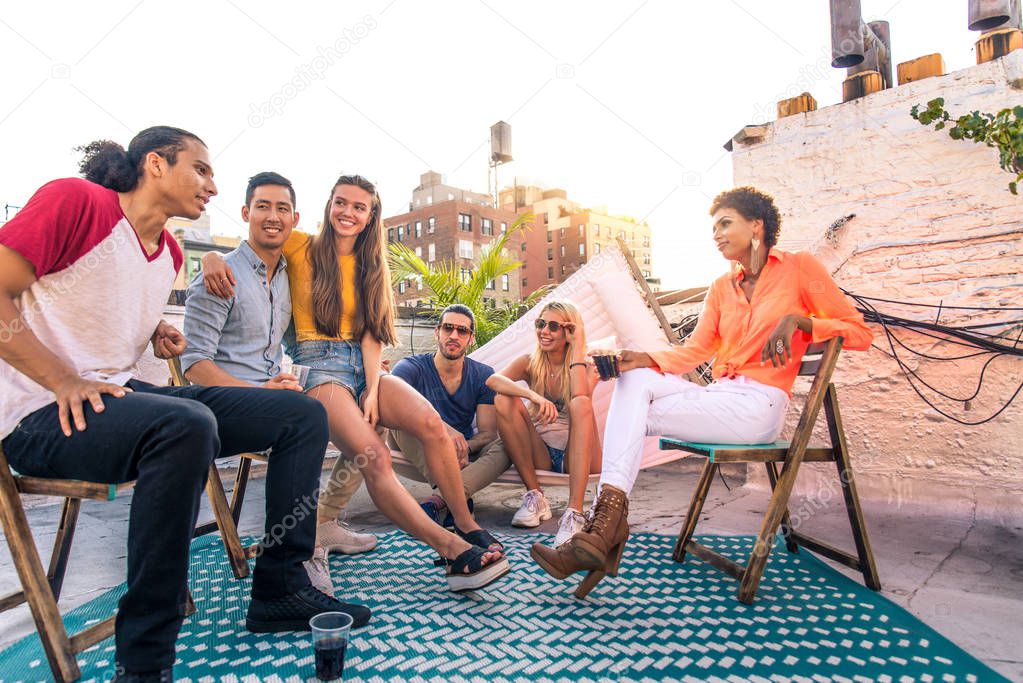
(558, 431)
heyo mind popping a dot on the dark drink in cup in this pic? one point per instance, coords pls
(607, 366)
(330, 640)
(330, 658)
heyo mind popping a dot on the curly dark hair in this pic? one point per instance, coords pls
(752, 204)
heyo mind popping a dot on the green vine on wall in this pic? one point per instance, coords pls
(1003, 131)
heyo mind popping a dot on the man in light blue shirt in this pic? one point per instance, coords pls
(236, 341)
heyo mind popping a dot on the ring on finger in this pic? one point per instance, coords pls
(779, 347)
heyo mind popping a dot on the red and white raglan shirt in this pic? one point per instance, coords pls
(98, 297)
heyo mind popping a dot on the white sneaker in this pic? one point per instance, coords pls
(319, 572)
(336, 536)
(572, 522)
(534, 510)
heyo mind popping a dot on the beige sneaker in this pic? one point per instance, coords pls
(318, 570)
(534, 510)
(336, 536)
(572, 522)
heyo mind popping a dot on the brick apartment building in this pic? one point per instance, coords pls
(566, 235)
(449, 224)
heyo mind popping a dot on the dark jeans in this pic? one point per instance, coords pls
(165, 438)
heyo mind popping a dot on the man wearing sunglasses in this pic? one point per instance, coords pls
(456, 386)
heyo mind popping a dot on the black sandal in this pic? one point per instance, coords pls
(481, 538)
(478, 574)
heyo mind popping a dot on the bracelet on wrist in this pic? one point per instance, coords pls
(578, 362)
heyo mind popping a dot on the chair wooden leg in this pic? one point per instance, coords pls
(768, 530)
(225, 522)
(241, 482)
(62, 544)
(36, 584)
(786, 525)
(695, 508)
(852, 499)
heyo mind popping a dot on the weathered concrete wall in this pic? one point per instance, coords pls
(934, 223)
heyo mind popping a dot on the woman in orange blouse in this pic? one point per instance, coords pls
(757, 321)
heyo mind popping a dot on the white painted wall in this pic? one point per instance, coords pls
(934, 223)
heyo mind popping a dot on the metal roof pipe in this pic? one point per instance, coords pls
(847, 33)
(987, 15)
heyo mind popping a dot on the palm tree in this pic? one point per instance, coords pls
(448, 285)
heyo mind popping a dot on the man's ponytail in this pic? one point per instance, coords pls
(106, 163)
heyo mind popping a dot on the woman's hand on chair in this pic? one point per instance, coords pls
(547, 412)
(217, 275)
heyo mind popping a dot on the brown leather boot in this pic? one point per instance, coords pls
(560, 562)
(605, 534)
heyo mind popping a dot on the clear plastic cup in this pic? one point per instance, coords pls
(330, 631)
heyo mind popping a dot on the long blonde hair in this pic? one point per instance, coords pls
(374, 310)
(540, 364)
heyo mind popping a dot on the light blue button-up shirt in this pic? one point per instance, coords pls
(241, 334)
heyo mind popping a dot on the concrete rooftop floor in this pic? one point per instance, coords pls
(961, 575)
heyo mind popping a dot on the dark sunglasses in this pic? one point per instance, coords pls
(450, 329)
(553, 325)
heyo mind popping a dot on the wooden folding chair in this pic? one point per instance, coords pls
(225, 515)
(41, 588)
(819, 362)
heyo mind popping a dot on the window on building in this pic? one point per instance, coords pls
(562, 249)
(646, 273)
(562, 233)
(562, 270)
(432, 253)
(401, 233)
(525, 283)
(490, 285)
(419, 282)
(596, 229)
(646, 240)
(465, 222)
(419, 228)
(401, 287)
(582, 230)
(582, 249)
(550, 254)
(505, 283)
(504, 227)
(196, 265)
(465, 274)
(550, 237)
(545, 218)
(596, 248)
(523, 246)
(550, 273)
(486, 226)
(429, 200)
(390, 234)
(431, 224)
(465, 249)
(419, 252)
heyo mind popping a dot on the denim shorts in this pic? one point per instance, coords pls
(333, 362)
(557, 459)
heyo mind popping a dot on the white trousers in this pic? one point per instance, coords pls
(647, 403)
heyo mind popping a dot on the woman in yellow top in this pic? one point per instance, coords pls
(343, 313)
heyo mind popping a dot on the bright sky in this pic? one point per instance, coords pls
(621, 103)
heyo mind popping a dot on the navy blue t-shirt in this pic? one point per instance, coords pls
(459, 409)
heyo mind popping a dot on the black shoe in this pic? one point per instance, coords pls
(293, 612)
(163, 676)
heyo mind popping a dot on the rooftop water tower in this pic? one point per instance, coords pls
(500, 153)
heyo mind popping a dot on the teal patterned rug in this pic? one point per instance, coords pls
(657, 621)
